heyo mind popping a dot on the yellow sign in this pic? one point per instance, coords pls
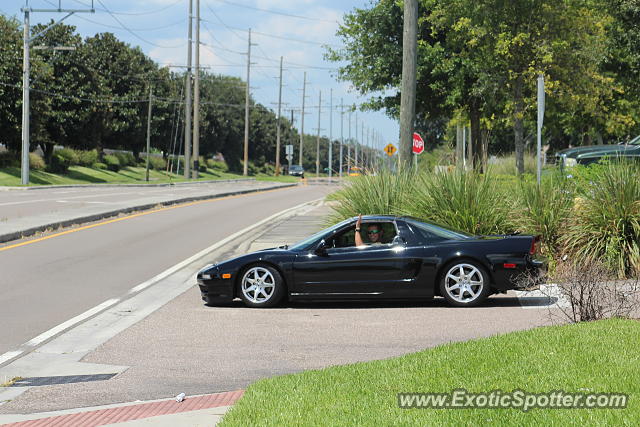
(390, 149)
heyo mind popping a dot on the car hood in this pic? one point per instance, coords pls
(576, 151)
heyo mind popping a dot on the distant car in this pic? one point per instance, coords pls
(594, 153)
(416, 259)
(296, 170)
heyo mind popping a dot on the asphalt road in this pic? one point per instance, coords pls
(187, 347)
(48, 282)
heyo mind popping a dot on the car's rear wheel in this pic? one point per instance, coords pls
(465, 284)
(261, 286)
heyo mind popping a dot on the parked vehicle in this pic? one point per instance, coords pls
(416, 259)
(594, 153)
(296, 170)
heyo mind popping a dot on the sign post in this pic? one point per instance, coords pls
(540, 120)
(288, 149)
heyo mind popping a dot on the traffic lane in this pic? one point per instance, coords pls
(48, 282)
(188, 347)
(32, 203)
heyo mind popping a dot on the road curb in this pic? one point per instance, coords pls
(165, 184)
(95, 217)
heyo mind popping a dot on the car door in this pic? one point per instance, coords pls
(366, 271)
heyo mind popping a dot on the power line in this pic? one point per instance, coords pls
(133, 33)
(173, 24)
(290, 15)
(134, 13)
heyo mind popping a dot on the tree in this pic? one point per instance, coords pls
(10, 82)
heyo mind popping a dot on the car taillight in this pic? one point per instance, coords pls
(534, 245)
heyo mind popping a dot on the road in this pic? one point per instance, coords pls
(25, 209)
(50, 281)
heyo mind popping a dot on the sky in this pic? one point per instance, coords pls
(293, 29)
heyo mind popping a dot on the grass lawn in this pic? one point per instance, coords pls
(127, 175)
(596, 357)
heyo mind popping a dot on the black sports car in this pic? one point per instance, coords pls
(414, 259)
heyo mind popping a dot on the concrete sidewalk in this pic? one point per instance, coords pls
(201, 410)
(16, 226)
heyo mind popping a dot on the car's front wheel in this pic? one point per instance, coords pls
(465, 284)
(261, 286)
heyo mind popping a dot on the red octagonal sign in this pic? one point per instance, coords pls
(418, 143)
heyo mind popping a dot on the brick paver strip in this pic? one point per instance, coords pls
(134, 412)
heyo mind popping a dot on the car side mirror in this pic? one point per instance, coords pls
(321, 248)
(398, 241)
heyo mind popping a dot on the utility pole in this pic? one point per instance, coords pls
(304, 88)
(196, 99)
(26, 79)
(408, 91)
(245, 169)
(187, 109)
(362, 150)
(341, 134)
(355, 160)
(349, 147)
(318, 138)
(149, 130)
(278, 125)
(330, 133)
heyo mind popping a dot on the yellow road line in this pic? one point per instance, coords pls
(110, 221)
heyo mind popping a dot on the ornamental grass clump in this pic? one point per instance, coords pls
(382, 194)
(544, 210)
(606, 226)
(465, 201)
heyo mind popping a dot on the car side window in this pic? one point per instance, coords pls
(346, 238)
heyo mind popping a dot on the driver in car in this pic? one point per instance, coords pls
(375, 233)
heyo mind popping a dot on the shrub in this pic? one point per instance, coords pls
(465, 201)
(157, 163)
(382, 194)
(217, 165)
(98, 165)
(62, 159)
(112, 162)
(125, 158)
(606, 226)
(544, 210)
(36, 162)
(8, 159)
(87, 158)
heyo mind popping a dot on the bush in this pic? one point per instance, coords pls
(9, 159)
(87, 158)
(125, 159)
(465, 201)
(62, 159)
(606, 222)
(382, 194)
(217, 165)
(157, 163)
(98, 165)
(112, 162)
(544, 210)
(36, 162)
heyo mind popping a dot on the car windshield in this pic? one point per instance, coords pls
(634, 141)
(296, 168)
(433, 230)
(309, 240)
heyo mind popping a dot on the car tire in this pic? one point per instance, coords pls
(261, 286)
(465, 283)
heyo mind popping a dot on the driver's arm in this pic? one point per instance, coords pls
(358, 237)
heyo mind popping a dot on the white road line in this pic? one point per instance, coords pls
(109, 303)
(71, 322)
(9, 355)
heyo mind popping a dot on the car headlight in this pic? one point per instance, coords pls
(204, 273)
(570, 162)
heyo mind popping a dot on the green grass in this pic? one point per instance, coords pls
(128, 175)
(590, 357)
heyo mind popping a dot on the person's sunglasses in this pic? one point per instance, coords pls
(374, 231)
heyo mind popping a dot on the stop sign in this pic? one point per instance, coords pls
(418, 143)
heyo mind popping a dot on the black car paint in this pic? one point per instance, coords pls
(406, 269)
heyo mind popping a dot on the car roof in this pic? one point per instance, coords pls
(377, 217)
